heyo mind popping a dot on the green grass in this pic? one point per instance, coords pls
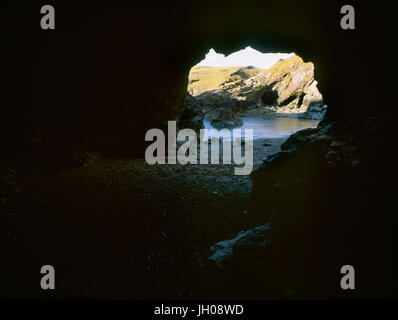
(207, 78)
(282, 65)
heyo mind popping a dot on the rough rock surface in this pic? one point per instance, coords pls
(220, 109)
(288, 88)
(226, 118)
(295, 184)
(100, 98)
(224, 251)
(191, 115)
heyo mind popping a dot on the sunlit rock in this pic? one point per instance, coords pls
(287, 88)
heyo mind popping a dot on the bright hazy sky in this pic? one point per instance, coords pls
(245, 57)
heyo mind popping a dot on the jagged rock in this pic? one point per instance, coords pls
(308, 136)
(215, 106)
(287, 88)
(191, 115)
(245, 243)
(293, 86)
(209, 101)
(226, 119)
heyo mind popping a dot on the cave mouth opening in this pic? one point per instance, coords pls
(274, 94)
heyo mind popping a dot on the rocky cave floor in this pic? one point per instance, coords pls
(120, 228)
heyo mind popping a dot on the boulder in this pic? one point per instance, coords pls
(226, 119)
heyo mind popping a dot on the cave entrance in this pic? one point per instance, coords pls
(275, 94)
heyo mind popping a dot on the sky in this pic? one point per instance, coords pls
(244, 57)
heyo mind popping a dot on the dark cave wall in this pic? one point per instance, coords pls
(100, 80)
(110, 71)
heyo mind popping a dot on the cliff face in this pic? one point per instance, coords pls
(288, 88)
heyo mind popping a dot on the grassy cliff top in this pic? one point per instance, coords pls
(285, 65)
(207, 78)
(203, 79)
